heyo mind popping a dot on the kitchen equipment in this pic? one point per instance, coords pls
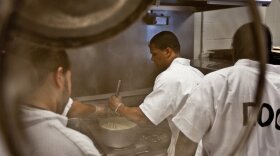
(117, 94)
(118, 87)
(71, 23)
(149, 141)
(117, 132)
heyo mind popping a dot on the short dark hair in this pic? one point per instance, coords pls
(166, 39)
(42, 60)
(244, 43)
(46, 60)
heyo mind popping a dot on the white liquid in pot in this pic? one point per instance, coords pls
(116, 123)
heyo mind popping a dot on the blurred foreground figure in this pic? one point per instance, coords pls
(44, 98)
(219, 109)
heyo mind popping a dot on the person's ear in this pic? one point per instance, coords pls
(59, 77)
(168, 52)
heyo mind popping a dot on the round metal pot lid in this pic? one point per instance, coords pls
(72, 23)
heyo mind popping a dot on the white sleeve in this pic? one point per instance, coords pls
(158, 105)
(197, 115)
(68, 106)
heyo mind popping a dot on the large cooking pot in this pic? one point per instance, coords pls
(117, 132)
(114, 131)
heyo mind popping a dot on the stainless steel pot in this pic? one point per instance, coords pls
(108, 136)
(114, 136)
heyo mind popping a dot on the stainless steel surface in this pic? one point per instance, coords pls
(126, 57)
(207, 5)
(116, 138)
(207, 65)
(69, 43)
(217, 2)
(71, 23)
(131, 98)
(149, 141)
(238, 2)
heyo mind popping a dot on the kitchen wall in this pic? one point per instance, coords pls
(272, 20)
(215, 29)
(97, 68)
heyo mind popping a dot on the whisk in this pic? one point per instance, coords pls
(117, 94)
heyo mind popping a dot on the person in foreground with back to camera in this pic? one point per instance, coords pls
(218, 109)
(43, 105)
(172, 87)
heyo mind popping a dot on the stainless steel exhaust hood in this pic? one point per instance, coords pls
(236, 2)
(205, 5)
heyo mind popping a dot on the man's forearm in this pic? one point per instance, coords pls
(79, 109)
(134, 114)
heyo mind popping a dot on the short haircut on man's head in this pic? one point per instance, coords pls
(46, 60)
(166, 39)
(42, 60)
(244, 44)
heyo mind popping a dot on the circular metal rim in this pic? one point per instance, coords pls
(74, 42)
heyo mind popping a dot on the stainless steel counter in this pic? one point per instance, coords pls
(207, 65)
(150, 141)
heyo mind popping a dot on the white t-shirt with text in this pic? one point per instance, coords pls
(217, 111)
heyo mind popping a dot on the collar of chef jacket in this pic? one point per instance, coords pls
(32, 116)
(255, 65)
(182, 61)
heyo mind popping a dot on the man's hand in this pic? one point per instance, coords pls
(134, 114)
(101, 109)
(79, 110)
(115, 102)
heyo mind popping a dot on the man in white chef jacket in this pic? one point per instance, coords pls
(50, 88)
(171, 89)
(220, 107)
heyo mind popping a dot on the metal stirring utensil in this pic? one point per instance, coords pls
(117, 94)
(118, 88)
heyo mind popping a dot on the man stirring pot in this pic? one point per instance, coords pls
(171, 89)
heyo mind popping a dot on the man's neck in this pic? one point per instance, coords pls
(35, 106)
(42, 100)
(172, 59)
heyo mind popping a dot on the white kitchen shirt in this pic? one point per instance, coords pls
(214, 111)
(49, 135)
(171, 90)
(67, 106)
